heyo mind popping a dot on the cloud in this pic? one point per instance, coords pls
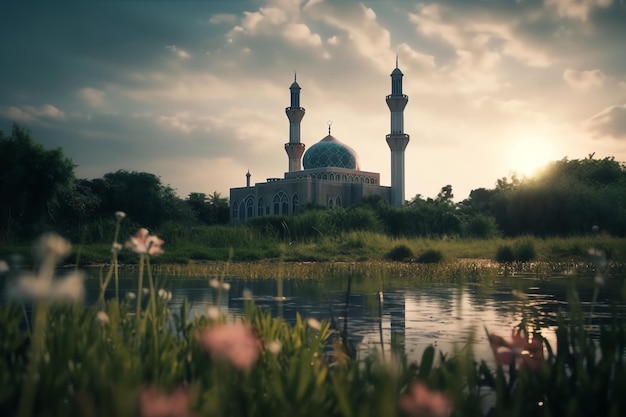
(223, 18)
(30, 113)
(584, 80)
(299, 33)
(610, 122)
(369, 39)
(93, 97)
(415, 58)
(576, 9)
(181, 53)
(484, 37)
(264, 18)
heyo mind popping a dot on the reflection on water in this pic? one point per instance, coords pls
(448, 316)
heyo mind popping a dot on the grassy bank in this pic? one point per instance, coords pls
(240, 244)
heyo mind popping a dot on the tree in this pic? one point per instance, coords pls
(32, 179)
(142, 197)
(220, 207)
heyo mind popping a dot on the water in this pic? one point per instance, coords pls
(448, 316)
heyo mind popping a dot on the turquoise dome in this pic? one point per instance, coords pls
(329, 152)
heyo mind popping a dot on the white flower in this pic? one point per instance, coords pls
(53, 246)
(116, 247)
(226, 286)
(131, 295)
(120, 215)
(314, 324)
(213, 312)
(102, 317)
(36, 288)
(274, 347)
(247, 295)
(214, 283)
(165, 295)
(145, 291)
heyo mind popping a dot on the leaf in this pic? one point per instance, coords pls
(426, 364)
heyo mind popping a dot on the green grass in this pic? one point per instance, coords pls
(241, 244)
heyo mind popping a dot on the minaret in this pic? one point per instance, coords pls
(295, 113)
(397, 139)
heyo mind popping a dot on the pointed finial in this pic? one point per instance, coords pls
(294, 76)
(396, 60)
(329, 123)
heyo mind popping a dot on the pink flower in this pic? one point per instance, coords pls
(526, 352)
(234, 343)
(145, 243)
(153, 402)
(422, 402)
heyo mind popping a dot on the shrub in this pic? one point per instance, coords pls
(430, 256)
(525, 251)
(399, 253)
(482, 227)
(505, 254)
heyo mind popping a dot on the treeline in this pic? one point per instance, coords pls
(39, 192)
(568, 198)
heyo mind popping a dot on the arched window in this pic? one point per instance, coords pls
(351, 178)
(367, 180)
(362, 180)
(332, 177)
(295, 204)
(281, 204)
(242, 211)
(324, 176)
(344, 178)
(249, 208)
(235, 207)
(338, 201)
(331, 203)
(261, 207)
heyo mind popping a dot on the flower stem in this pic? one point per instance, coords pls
(36, 348)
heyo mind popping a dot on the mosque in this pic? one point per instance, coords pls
(329, 173)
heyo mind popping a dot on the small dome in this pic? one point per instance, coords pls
(396, 71)
(329, 152)
(294, 85)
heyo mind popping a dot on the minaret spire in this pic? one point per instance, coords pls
(295, 113)
(397, 139)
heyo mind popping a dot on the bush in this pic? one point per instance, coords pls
(430, 256)
(399, 253)
(525, 251)
(481, 227)
(505, 254)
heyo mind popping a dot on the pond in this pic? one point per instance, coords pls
(410, 316)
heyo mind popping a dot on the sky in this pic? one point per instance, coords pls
(195, 91)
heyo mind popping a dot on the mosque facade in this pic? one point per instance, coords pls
(328, 174)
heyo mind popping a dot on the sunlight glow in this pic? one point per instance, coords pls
(530, 153)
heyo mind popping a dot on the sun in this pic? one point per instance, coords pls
(528, 155)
